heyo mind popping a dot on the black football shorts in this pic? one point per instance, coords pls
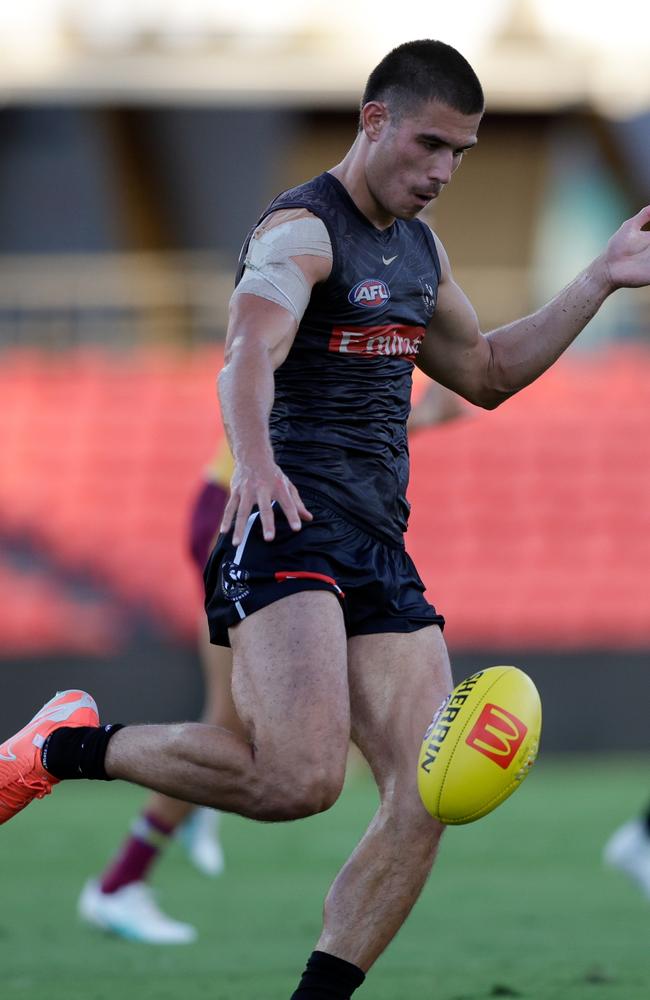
(376, 582)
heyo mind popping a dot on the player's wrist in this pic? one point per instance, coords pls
(254, 456)
(600, 278)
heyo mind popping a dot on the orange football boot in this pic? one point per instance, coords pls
(22, 776)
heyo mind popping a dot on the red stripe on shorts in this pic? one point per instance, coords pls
(306, 575)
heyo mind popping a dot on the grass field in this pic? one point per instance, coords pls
(519, 905)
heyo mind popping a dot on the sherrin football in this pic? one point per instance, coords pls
(481, 744)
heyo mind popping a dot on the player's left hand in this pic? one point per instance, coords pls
(627, 257)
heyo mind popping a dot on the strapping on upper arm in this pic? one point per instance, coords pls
(270, 268)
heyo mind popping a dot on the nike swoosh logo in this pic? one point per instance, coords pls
(389, 260)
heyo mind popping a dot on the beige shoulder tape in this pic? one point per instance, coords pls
(269, 269)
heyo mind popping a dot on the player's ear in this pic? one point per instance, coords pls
(374, 119)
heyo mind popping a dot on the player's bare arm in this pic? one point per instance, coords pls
(260, 333)
(489, 368)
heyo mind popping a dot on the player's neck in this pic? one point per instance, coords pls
(352, 175)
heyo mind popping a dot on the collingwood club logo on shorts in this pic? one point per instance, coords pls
(369, 293)
(234, 582)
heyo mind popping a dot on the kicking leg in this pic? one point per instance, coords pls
(289, 679)
(291, 692)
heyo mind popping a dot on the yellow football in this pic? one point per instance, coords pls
(481, 744)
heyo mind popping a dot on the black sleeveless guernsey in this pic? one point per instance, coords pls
(342, 396)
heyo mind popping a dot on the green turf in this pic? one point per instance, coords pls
(519, 904)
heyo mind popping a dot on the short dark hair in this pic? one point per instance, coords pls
(424, 70)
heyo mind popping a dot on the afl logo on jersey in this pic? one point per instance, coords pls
(369, 293)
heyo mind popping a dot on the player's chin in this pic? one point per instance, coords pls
(415, 205)
(410, 211)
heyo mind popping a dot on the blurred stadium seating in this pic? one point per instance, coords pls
(100, 456)
(38, 614)
(531, 525)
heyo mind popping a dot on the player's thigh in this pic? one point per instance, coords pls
(397, 680)
(290, 683)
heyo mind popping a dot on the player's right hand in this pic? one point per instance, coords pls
(261, 487)
(627, 256)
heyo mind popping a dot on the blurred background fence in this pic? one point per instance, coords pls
(138, 143)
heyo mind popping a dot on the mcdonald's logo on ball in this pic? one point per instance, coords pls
(480, 745)
(498, 734)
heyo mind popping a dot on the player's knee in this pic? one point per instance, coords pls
(311, 791)
(320, 792)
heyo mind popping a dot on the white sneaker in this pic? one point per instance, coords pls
(628, 849)
(132, 913)
(199, 835)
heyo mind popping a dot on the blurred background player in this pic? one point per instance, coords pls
(436, 405)
(628, 849)
(121, 899)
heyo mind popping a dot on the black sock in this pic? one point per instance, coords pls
(78, 751)
(328, 978)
